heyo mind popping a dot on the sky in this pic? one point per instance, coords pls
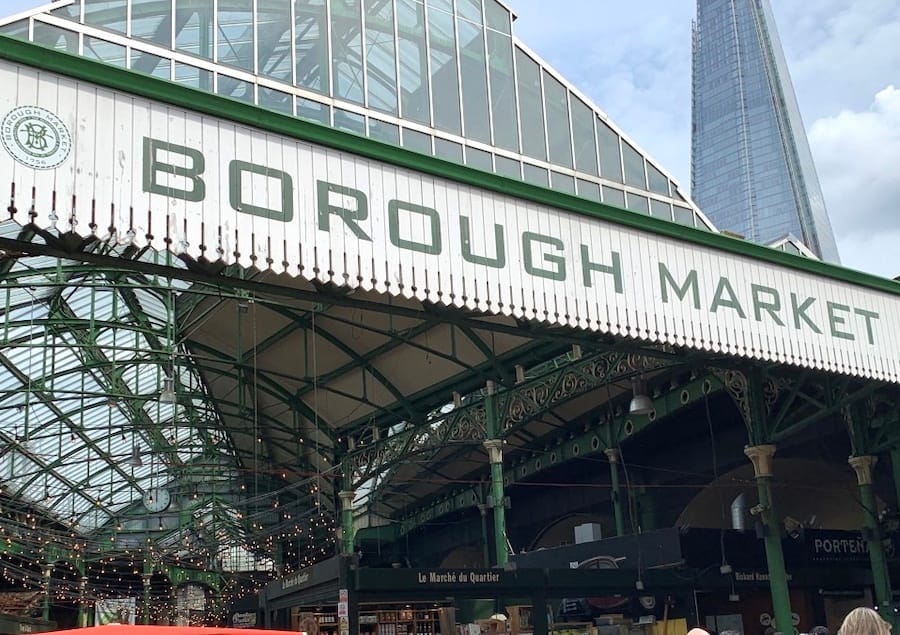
(633, 59)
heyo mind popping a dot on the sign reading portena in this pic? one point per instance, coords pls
(35, 137)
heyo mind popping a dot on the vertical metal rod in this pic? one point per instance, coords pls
(895, 471)
(613, 455)
(82, 600)
(146, 598)
(880, 576)
(347, 537)
(495, 452)
(486, 548)
(647, 506)
(48, 572)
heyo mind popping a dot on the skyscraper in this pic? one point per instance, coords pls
(752, 171)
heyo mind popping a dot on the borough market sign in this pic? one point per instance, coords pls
(141, 171)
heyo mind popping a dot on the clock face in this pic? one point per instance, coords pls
(157, 499)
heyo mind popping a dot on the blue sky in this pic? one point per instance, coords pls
(633, 60)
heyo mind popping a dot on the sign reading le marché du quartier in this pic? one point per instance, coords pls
(147, 172)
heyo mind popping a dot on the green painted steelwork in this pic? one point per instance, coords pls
(552, 385)
(485, 543)
(868, 437)
(494, 444)
(82, 593)
(895, 468)
(180, 575)
(612, 453)
(592, 441)
(877, 559)
(348, 537)
(45, 604)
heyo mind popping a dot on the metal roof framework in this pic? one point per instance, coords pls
(271, 391)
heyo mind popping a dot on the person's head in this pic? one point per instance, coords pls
(864, 621)
(698, 631)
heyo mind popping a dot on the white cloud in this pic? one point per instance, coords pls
(633, 61)
(852, 44)
(857, 157)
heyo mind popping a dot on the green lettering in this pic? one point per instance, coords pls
(690, 284)
(835, 320)
(236, 170)
(799, 312)
(350, 215)
(720, 299)
(153, 167)
(614, 269)
(868, 316)
(772, 307)
(465, 234)
(434, 247)
(559, 272)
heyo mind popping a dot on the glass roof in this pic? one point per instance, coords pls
(86, 358)
(438, 76)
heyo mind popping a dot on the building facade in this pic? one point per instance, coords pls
(752, 171)
(446, 78)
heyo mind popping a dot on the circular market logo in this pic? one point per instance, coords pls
(35, 137)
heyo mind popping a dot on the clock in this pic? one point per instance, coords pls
(157, 499)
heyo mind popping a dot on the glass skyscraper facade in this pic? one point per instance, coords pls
(752, 171)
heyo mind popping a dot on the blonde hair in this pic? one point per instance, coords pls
(864, 621)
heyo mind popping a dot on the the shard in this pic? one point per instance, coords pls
(752, 171)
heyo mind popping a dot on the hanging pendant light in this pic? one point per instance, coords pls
(167, 394)
(641, 404)
(135, 459)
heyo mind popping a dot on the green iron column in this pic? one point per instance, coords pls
(613, 455)
(82, 601)
(486, 548)
(347, 533)
(173, 601)
(146, 578)
(494, 446)
(761, 457)
(48, 572)
(863, 465)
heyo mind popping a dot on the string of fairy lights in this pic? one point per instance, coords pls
(72, 569)
(246, 526)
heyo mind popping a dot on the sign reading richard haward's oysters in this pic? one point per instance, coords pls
(146, 172)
